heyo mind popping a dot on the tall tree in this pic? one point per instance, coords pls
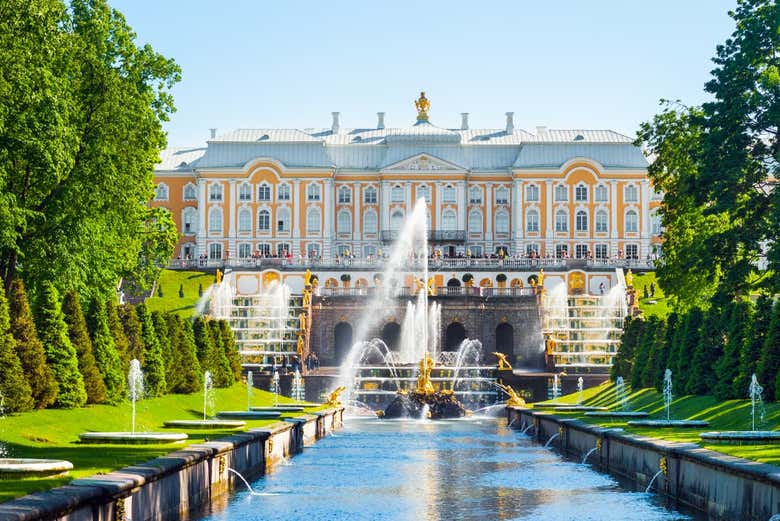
(188, 376)
(81, 128)
(14, 389)
(133, 331)
(163, 338)
(688, 341)
(79, 337)
(752, 347)
(769, 359)
(154, 363)
(642, 352)
(655, 353)
(623, 363)
(664, 350)
(60, 353)
(727, 367)
(117, 329)
(231, 351)
(30, 349)
(706, 352)
(220, 364)
(106, 355)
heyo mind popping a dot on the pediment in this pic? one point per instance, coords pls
(423, 163)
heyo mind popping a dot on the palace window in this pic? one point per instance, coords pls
(581, 193)
(282, 249)
(313, 250)
(344, 222)
(581, 251)
(345, 195)
(476, 251)
(215, 220)
(475, 195)
(632, 194)
(244, 251)
(245, 192)
(502, 222)
(561, 251)
(532, 221)
(215, 192)
(190, 192)
(215, 251)
(264, 221)
(369, 196)
(561, 221)
(369, 222)
(475, 222)
(602, 194)
(532, 250)
(561, 193)
(161, 194)
(283, 193)
(313, 221)
(632, 251)
(244, 220)
(502, 196)
(264, 192)
(425, 193)
(632, 222)
(264, 248)
(396, 220)
(283, 220)
(448, 218)
(532, 193)
(313, 192)
(397, 194)
(369, 251)
(342, 249)
(449, 194)
(602, 221)
(601, 251)
(189, 218)
(581, 221)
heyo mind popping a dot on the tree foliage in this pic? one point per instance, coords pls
(728, 366)
(82, 343)
(153, 361)
(106, 355)
(188, 377)
(14, 388)
(117, 329)
(133, 331)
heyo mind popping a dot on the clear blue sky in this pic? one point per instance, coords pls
(563, 64)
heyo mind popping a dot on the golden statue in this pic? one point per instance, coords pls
(549, 344)
(424, 384)
(503, 363)
(302, 319)
(306, 298)
(300, 345)
(333, 397)
(540, 278)
(307, 278)
(219, 276)
(514, 399)
(423, 105)
(419, 284)
(432, 286)
(629, 279)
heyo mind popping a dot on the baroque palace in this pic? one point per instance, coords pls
(319, 193)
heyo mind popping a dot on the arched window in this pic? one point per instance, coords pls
(161, 194)
(369, 196)
(313, 192)
(502, 196)
(532, 193)
(215, 220)
(581, 221)
(602, 194)
(396, 220)
(244, 220)
(581, 193)
(532, 221)
(344, 222)
(264, 192)
(369, 222)
(397, 194)
(189, 219)
(282, 249)
(190, 192)
(449, 194)
(283, 220)
(215, 251)
(264, 221)
(561, 193)
(448, 218)
(245, 192)
(425, 193)
(475, 195)
(215, 192)
(313, 221)
(502, 222)
(561, 221)
(475, 222)
(632, 194)
(632, 222)
(264, 248)
(602, 221)
(345, 195)
(283, 192)
(244, 250)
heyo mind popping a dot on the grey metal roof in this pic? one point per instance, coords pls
(576, 136)
(553, 155)
(179, 158)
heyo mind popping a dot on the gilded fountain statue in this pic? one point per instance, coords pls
(423, 105)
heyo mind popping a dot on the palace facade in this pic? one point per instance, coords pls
(319, 193)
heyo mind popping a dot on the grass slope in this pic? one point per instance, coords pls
(53, 433)
(658, 305)
(169, 281)
(723, 416)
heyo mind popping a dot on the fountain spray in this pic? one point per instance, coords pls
(135, 381)
(208, 390)
(580, 390)
(756, 400)
(250, 382)
(668, 393)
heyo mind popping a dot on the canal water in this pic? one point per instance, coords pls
(475, 469)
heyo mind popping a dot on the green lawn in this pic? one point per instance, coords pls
(169, 281)
(728, 415)
(53, 433)
(652, 306)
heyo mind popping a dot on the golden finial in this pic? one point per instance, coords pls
(423, 105)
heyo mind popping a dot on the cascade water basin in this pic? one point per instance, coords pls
(132, 438)
(670, 424)
(249, 415)
(742, 437)
(204, 424)
(279, 408)
(14, 468)
(617, 414)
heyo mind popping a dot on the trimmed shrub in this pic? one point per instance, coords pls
(220, 365)
(79, 337)
(707, 351)
(231, 352)
(16, 391)
(686, 342)
(117, 330)
(769, 361)
(753, 346)
(106, 355)
(153, 361)
(727, 367)
(133, 331)
(189, 377)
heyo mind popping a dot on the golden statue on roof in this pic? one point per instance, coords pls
(423, 105)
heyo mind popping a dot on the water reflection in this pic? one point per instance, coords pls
(456, 470)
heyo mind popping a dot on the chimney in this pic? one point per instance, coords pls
(464, 120)
(335, 126)
(541, 130)
(380, 120)
(213, 132)
(510, 122)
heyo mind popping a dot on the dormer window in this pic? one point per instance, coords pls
(579, 137)
(264, 137)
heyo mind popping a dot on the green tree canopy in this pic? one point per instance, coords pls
(106, 355)
(79, 337)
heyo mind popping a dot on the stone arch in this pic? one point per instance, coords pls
(342, 341)
(505, 340)
(453, 336)
(391, 335)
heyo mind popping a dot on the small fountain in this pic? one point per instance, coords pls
(580, 391)
(621, 404)
(297, 394)
(556, 388)
(135, 387)
(591, 451)
(752, 436)
(668, 421)
(257, 413)
(552, 438)
(662, 470)
(208, 405)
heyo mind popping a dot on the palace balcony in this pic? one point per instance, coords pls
(458, 291)
(433, 235)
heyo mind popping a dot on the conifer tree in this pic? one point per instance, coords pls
(229, 343)
(79, 338)
(15, 390)
(753, 346)
(664, 350)
(106, 355)
(623, 362)
(133, 331)
(688, 341)
(29, 348)
(642, 352)
(153, 362)
(727, 367)
(203, 342)
(654, 353)
(117, 330)
(769, 361)
(188, 377)
(60, 353)
(709, 348)
(163, 337)
(222, 372)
